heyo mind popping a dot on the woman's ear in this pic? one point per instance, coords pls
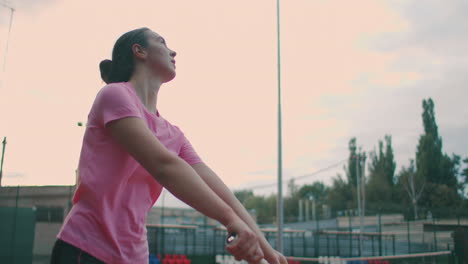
(139, 51)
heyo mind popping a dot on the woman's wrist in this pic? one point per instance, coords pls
(228, 216)
(264, 244)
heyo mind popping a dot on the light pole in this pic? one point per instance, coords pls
(279, 211)
(358, 185)
(360, 168)
(1, 164)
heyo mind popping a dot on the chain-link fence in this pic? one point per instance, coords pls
(32, 217)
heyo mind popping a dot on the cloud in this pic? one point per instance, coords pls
(429, 60)
(436, 26)
(29, 7)
(13, 175)
(458, 146)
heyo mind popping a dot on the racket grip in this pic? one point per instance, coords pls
(232, 237)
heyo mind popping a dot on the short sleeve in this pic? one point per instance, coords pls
(114, 102)
(188, 153)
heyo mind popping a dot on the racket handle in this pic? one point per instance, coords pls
(232, 237)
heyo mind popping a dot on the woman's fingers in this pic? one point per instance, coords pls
(246, 250)
(245, 247)
(254, 253)
(274, 257)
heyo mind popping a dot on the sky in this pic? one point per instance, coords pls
(348, 69)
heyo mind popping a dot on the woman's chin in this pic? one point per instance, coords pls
(170, 77)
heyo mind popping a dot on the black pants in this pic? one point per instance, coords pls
(64, 253)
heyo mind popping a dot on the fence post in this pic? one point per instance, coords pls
(194, 238)
(435, 234)
(337, 245)
(350, 235)
(13, 255)
(409, 238)
(317, 236)
(304, 246)
(205, 238)
(186, 241)
(214, 240)
(163, 244)
(292, 243)
(380, 235)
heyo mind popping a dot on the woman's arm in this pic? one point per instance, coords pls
(218, 186)
(183, 181)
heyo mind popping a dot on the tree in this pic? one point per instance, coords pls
(243, 195)
(437, 168)
(317, 190)
(351, 168)
(413, 184)
(464, 174)
(292, 188)
(340, 196)
(389, 161)
(429, 150)
(265, 208)
(291, 207)
(381, 175)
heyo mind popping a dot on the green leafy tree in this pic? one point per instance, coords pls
(464, 175)
(291, 203)
(292, 188)
(410, 187)
(450, 169)
(429, 150)
(389, 161)
(444, 198)
(265, 208)
(354, 166)
(243, 195)
(317, 191)
(437, 168)
(351, 168)
(380, 186)
(340, 195)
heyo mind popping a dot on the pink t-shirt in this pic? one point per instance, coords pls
(114, 192)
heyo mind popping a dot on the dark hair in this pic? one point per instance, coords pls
(121, 68)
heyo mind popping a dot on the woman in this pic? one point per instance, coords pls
(129, 153)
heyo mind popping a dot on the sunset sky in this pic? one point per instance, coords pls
(349, 69)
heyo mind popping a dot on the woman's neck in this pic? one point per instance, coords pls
(147, 88)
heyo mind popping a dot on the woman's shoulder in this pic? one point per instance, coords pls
(115, 92)
(120, 87)
(114, 95)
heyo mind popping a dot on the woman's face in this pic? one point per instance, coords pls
(159, 57)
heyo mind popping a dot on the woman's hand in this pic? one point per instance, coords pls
(246, 245)
(270, 254)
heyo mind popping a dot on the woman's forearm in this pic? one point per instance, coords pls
(218, 186)
(183, 181)
(168, 169)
